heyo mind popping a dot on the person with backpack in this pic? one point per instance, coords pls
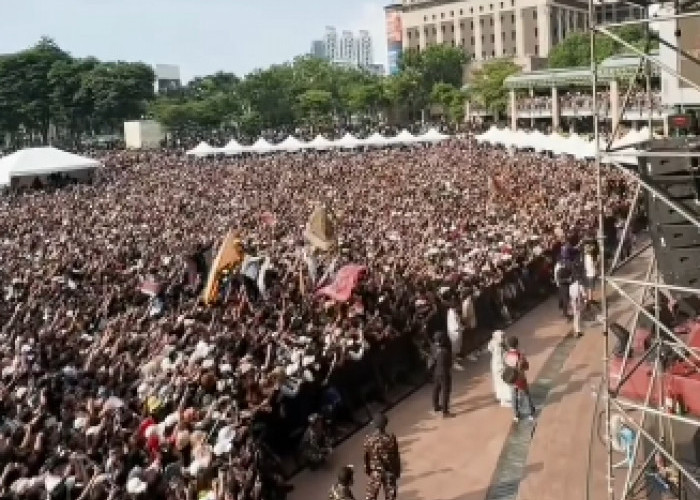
(516, 365)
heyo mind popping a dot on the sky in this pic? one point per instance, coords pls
(200, 36)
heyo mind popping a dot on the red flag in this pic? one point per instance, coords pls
(151, 287)
(344, 283)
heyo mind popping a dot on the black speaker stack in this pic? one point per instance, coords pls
(675, 239)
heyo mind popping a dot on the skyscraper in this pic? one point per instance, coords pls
(331, 43)
(347, 47)
(365, 57)
(318, 49)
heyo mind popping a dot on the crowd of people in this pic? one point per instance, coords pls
(118, 382)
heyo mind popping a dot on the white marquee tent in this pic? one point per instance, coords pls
(291, 143)
(573, 145)
(38, 162)
(261, 146)
(348, 141)
(404, 137)
(375, 140)
(319, 142)
(233, 147)
(433, 135)
(203, 149)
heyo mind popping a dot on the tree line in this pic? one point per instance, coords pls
(314, 93)
(44, 86)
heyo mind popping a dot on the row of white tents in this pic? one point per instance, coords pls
(319, 143)
(573, 145)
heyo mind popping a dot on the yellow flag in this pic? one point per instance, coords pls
(229, 257)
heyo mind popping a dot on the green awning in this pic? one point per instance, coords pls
(613, 68)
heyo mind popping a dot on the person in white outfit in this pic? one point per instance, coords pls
(454, 328)
(497, 348)
(589, 268)
(577, 297)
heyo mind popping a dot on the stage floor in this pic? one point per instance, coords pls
(481, 453)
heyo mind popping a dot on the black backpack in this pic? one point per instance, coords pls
(509, 375)
(564, 274)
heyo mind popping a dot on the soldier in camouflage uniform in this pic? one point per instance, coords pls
(341, 490)
(382, 461)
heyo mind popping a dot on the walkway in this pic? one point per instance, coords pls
(481, 453)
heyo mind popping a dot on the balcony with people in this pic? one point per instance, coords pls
(563, 99)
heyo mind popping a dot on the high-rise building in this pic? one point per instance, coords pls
(525, 30)
(365, 57)
(318, 49)
(331, 43)
(346, 52)
(348, 49)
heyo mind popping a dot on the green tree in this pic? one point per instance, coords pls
(436, 64)
(271, 94)
(406, 89)
(315, 106)
(575, 50)
(450, 99)
(487, 88)
(367, 98)
(26, 89)
(72, 104)
(120, 91)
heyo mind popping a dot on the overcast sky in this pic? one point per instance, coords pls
(201, 36)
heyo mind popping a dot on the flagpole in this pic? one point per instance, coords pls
(301, 276)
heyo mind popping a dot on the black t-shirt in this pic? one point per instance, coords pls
(437, 321)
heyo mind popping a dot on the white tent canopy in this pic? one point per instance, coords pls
(433, 135)
(233, 147)
(404, 137)
(291, 143)
(203, 149)
(319, 142)
(573, 145)
(376, 140)
(348, 141)
(35, 162)
(261, 146)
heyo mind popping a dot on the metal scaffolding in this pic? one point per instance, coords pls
(652, 456)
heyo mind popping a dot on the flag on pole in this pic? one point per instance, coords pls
(320, 230)
(344, 283)
(230, 256)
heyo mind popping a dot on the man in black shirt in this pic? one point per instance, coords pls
(442, 374)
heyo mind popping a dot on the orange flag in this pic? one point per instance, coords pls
(229, 257)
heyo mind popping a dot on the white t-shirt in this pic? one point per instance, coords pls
(589, 265)
(576, 294)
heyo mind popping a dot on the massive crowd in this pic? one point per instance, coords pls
(118, 383)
